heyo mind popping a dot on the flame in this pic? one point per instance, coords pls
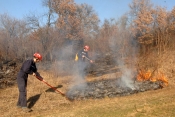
(146, 75)
(143, 76)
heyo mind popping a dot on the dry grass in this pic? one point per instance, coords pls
(46, 103)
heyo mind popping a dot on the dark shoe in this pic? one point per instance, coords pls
(25, 109)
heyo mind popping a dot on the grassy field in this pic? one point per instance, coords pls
(46, 103)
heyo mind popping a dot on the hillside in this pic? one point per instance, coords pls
(46, 103)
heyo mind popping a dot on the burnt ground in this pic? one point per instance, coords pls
(8, 72)
(102, 66)
(96, 89)
(117, 86)
(149, 101)
(109, 88)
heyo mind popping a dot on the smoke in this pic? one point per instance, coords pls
(64, 61)
(124, 51)
(127, 78)
(67, 65)
(79, 76)
(122, 48)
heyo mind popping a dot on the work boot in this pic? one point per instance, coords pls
(25, 109)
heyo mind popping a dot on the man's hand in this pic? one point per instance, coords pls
(34, 74)
(37, 75)
(91, 61)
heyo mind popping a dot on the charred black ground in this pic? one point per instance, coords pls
(87, 90)
(8, 72)
(109, 88)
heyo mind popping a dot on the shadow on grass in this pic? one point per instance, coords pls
(52, 89)
(32, 100)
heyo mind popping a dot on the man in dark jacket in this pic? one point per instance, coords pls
(28, 67)
(82, 56)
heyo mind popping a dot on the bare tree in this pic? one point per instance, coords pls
(13, 33)
(43, 33)
(161, 29)
(171, 27)
(88, 20)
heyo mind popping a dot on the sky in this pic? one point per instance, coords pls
(105, 9)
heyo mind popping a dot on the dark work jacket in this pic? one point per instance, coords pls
(28, 67)
(80, 54)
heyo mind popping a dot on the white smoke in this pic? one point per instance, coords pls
(124, 49)
(127, 79)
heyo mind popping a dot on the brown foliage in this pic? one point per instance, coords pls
(75, 20)
(142, 23)
(67, 20)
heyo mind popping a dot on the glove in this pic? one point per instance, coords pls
(38, 76)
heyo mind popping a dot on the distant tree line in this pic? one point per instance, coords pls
(68, 26)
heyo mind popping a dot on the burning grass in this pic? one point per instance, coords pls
(148, 76)
(117, 87)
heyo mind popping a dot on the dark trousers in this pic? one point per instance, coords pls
(81, 69)
(22, 85)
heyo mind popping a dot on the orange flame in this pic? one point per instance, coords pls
(144, 76)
